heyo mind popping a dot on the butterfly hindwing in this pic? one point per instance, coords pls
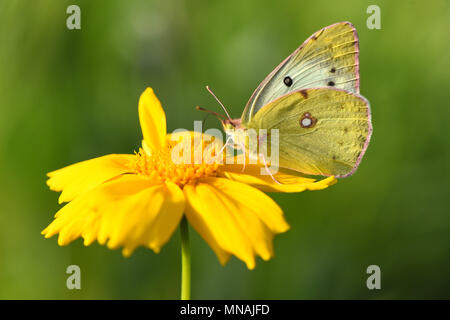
(322, 131)
(330, 57)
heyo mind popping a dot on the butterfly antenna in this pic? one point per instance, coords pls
(211, 112)
(223, 107)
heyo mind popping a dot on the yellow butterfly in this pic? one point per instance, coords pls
(313, 99)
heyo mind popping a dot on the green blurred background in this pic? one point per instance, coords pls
(67, 96)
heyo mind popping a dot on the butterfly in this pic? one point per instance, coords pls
(312, 98)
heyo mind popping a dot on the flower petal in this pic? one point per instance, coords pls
(234, 218)
(83, 210)
(153, 120)
(129, 211)
(82, 176)
(166, 221)
(288, 180)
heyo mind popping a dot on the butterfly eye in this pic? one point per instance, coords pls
(288, 81)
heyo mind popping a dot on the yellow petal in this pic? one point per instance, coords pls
(83, 212)
(85, 175)
(129, 211)
(286, 180)
(201, 225)
(254, 200)
(234, 218)
(153, 120)
(166, 220)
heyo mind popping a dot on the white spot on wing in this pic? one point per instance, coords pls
(306, 122)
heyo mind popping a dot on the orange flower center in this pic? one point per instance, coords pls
(176, 163)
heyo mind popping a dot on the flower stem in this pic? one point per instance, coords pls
(185, 261)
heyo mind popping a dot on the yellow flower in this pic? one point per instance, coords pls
(131, 200)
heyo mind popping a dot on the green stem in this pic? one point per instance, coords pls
(185, 261)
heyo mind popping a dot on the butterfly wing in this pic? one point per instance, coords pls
(330, 57)
(322, 131)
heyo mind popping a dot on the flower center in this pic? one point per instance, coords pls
(174, 163)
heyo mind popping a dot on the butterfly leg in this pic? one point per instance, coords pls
(245, 155)
(223, 148)
(267, 168)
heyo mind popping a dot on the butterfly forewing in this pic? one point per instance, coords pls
(322, 131)
(327, 58)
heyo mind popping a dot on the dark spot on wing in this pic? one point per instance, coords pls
(331, 83)
(334, 157)
(345, 130)
(288, 81)
(304, 93)
(333, 70)
(307, 121)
